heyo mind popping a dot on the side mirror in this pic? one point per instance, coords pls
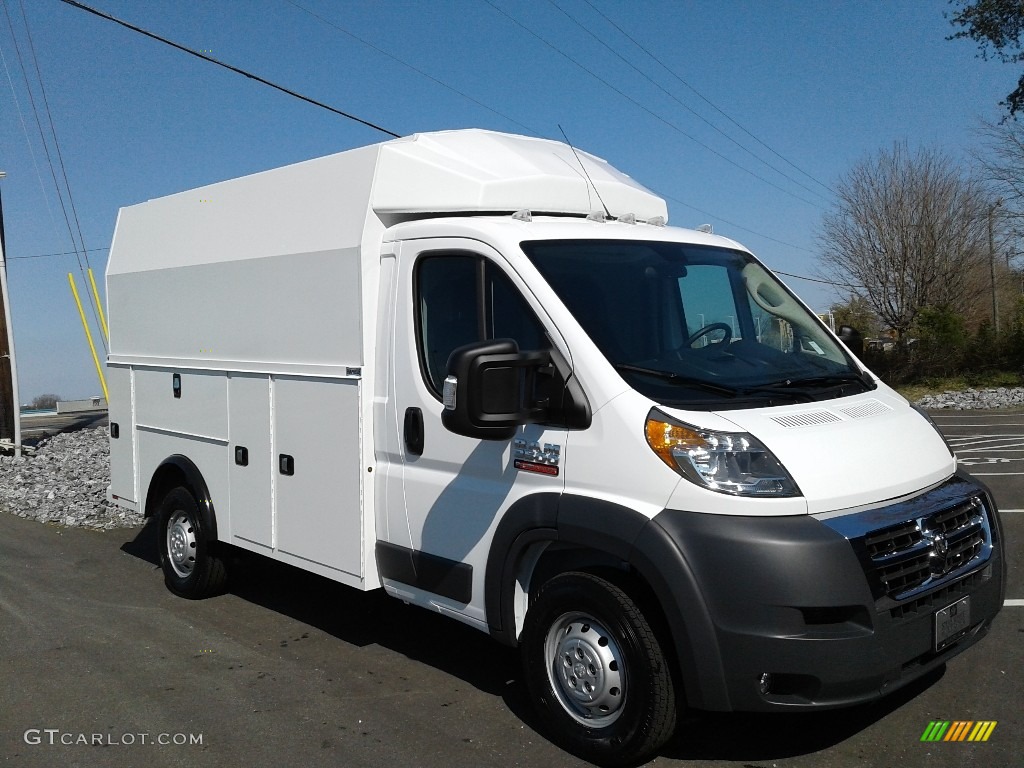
(851, 337)
(489, 389)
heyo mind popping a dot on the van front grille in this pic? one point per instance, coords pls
(916, 555)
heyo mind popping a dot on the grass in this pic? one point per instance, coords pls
(981, 380)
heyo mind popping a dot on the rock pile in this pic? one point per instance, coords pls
(65, 482)
(974, 399)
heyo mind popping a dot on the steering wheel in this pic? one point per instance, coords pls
(708, 329)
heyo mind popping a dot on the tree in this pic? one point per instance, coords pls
(908, 231)
(999, 24)
(1002, 161)
(857, 313)
(45, 402)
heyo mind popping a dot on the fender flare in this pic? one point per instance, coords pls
(194, 480)
(637, 540)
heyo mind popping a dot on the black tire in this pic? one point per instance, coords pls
(188, 558)
(596, 671)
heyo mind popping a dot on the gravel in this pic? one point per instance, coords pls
(65, 481)
(975, 399)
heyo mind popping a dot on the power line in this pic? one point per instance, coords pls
(60, 158)
(816, 280)
(678, 101)
(705, 99)
(31, 151)
(42, 137)
(646, 109)
(414, 68)
(49, 255)
(237, 70)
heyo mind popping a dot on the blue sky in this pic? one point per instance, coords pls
(823, 84)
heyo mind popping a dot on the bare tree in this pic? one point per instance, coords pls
(908, 231)
(1002, 161)
(43, 402)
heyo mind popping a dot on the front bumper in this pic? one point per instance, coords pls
(835, 612)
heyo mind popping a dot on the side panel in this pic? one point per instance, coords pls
(317, 471)
(251, 466)
(200, 408)
(295, 308)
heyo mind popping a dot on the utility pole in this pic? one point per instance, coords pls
(10, 409)
(992, 264)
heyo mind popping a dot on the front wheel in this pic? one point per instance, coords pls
(596, 671)
(191, 567)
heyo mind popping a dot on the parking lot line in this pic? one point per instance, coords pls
(1013, 603)
(995, 474)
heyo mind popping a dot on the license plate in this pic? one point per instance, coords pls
(952, 623)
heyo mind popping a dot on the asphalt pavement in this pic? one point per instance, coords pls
(101, 666)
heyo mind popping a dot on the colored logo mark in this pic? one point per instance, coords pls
(959, 730)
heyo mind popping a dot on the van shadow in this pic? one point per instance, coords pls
(364, 619)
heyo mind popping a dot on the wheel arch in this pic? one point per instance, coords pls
(180, 470)
(543, 535)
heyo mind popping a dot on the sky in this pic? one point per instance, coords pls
(742, 114)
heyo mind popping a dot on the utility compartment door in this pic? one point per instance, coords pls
(122, 424)
(251, 465)
(316, 471)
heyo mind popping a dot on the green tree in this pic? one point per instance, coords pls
(996, 26)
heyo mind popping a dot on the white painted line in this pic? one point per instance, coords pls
(994, 424)
(995, 474)
(1013, 603)
(1007, 511)
(989, 449)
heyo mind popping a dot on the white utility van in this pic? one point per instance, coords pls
(479, 371)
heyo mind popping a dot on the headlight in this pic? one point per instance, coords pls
(728, 462)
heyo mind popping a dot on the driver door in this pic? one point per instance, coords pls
(446, 493)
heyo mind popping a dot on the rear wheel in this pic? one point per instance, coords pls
(191, 567)
(596, 671)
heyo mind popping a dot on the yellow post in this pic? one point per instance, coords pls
(88, 336)
(99, 307)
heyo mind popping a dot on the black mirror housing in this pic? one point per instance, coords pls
(851, 337)
(487, 394)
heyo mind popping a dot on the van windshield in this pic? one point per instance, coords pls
(696, 326)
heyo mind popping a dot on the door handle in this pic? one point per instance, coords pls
(414, 431)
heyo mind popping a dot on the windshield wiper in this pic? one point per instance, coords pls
(811, 382)
(677, 378)
(834, 379)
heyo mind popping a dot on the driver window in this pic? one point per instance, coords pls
(461, 299)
